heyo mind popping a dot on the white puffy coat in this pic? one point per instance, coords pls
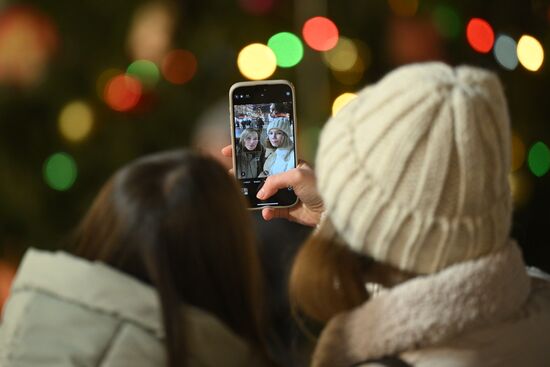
(65, 311)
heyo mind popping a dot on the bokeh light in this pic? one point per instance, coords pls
(257, 7)
(60, 171)
(404, 8)
(104, 78)
(28, 40)
(539, 159)
(530, 53)
(179, 66)
(320, 33)
(521, 187)
(122, 93)
(288, 49)
(518, 152)
(151, 30)
(76, 121)
(341, 101)
(447, 21)
(355, 74)
(146, 71)
(480, 35)
(257, 61)
(505, 52)
(343, 56)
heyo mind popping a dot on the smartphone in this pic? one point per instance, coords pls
(263, 137)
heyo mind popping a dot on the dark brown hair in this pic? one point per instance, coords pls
(177, 221)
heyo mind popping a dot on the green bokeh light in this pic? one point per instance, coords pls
(447, 21)
(539, 159)
(60, 171)
(287, 48)
(146, 71)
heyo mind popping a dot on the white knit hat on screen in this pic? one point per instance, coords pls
(414, 172)
(281, 123)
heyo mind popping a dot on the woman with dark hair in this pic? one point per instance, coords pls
(165, 273)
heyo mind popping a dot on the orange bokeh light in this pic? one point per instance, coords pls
(480, 35)
(320, 33)
(179, 66)
(122, 93)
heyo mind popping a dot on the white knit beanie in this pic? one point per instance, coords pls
(281, 123)
(414, 171)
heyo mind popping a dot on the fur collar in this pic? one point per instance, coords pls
(427, 310)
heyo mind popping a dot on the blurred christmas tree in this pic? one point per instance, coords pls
(75, 105)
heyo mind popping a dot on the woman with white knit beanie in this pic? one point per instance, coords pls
(280, 156)
(411, 262)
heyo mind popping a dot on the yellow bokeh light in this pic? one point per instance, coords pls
(257, 61)
(75, 121)
(521, 187)
(341, 101)
(530, 53)
(355, 73)
(518, 152)
(343, 56)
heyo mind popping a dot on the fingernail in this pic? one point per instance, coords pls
(260, 194)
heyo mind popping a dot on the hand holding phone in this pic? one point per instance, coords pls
(263, 136)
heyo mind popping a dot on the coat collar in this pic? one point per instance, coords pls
(427, 310)
(91, 284)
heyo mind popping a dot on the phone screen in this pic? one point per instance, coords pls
(264, 137)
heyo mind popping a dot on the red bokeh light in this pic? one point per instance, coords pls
(179, 66)
(257, 7)
(320, 33)
(122, 93)
(480, 35)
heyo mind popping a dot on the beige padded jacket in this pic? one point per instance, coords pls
(65, 311)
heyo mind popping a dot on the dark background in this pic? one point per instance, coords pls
(90, 36)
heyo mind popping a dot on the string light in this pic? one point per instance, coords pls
(341, 101)
(146, 71)
(60, 171)
(480, 35)
(257, 61)
(75, 121)
(320, 33)
(518, 152)
(505, 52)
(179, 66)
(447, 21)
(355, 73)
(539, 159)
(122, 93)
(288, 49)
(343, 56)
(257, 7)
(530, 53)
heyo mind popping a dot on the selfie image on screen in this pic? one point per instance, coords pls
(264, 139)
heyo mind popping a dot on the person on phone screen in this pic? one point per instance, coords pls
(250, 154)
(279, 147)
(145, 284)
